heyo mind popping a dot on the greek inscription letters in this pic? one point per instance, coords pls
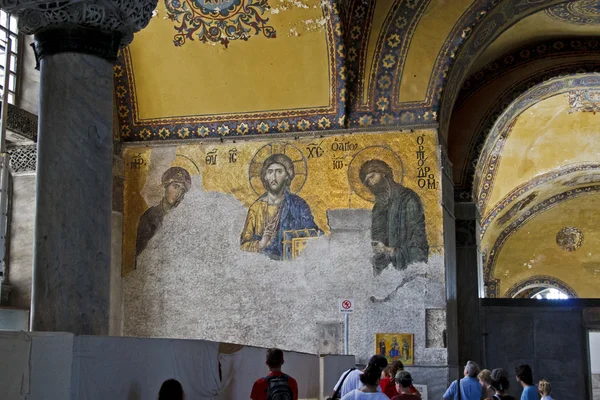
(343, 146)
(315, 150)
(338, 162)
(211, 157)
(137, 161)
(425, 179)
(232, 155)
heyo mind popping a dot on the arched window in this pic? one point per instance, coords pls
(550, 293)
(8, 29)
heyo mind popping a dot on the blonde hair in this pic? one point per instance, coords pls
(486, 376)
(544, 387)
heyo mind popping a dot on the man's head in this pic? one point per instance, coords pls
(277, 173)
(177, 182)
(376, 175)
(524, 374)
(379, 361)
(274, 358)
(472, 369)
(403, 378)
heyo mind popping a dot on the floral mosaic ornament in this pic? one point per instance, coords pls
(582, 12)
(569, 238)
(586, 100)
(218, 21)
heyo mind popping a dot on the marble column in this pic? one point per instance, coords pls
(75, 44)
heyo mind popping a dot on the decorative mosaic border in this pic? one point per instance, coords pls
(385, 107)
(526, 187)
(356, 35)
(502, 16)
(541, 281)
(131, 128)
(494, 143)
(489, 262)
(580, 12)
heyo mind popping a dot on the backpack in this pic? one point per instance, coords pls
(279, 388)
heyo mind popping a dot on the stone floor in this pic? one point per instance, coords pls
(596, 386)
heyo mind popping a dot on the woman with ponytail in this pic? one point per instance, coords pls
(500, 384)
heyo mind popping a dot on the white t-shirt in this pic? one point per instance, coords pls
(547, 398)
(351, 382)
(360, 395)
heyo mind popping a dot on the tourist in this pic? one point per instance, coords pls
(485, 380)
(499, 384)
(350, 379)
(171, 390)
(276, 385)
(544, 388)
(388, 384)
(524, 376)
(403, 386)
(469, 387)
(370, 390)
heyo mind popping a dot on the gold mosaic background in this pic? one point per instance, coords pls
(327, 185)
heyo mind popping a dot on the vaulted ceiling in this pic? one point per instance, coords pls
(499, 79)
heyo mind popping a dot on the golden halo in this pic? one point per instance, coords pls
(294, 153)
(382, 153)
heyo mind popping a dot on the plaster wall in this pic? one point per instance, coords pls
(546, 136)
(533, 249)
(192, 280)
(22, 222)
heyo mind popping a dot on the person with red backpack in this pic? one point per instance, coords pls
(276, 385)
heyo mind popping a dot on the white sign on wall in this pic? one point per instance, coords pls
(346, 305)
(422, 389)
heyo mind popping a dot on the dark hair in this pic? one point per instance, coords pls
(371, 375)
(375, 166)
(170, 390)
(499, 379)
(394, 367)
(280, 159)
(379, 360)
(523, 372)
(403, 378)
(274, 358)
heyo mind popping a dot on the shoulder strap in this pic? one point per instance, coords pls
(458, 388)
(339, 388)
(268, 378)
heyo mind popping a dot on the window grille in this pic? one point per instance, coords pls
(8, 29)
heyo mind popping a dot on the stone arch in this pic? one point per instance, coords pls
(491, 153)
(493, 22)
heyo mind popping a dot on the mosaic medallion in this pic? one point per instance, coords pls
(582, 12)
(218, 21)
(569, 238)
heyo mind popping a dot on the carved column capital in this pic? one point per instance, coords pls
(115, 17)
